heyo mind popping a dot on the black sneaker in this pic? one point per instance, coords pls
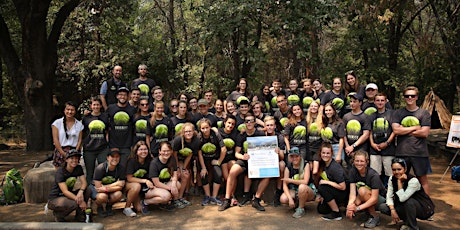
(332, 216)
(109, 210)
(226, 204)
(101, 212)
(245, 201)
(59, 217)
(256, 205)
(167, 207)
(80, 215)
(276, 201)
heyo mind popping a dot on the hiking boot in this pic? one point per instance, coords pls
(256, 205)
(372, 222)
(299, 212)
(205, 201)
(129, 212)
(178, 204)
(79, 215)
(109, 210)
(245, 201)
(276, 200)
(167, 207)
(332, 216)
(101, 212)
(144, 208)
(214, 200)
(185, 202)
(225, 205)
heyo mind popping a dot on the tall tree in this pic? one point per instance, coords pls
(32, 68)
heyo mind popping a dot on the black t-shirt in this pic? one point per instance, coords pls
(354, 126)
(121, 126)
(95, 129)
(371, 179)
(156, 166)
(409, 145)
(141, 124)
(330, 96)
(211, 117)
(161, 131)
(314, 138)
(133, 165)
(297, 135)
(335, 172)
(381, 131)
(178, 122)
(244, 138)
(193, 144)
(226, 137)
(214, 139)
(62, 175)
(102, 171)
(145, 86)
(293, 171)
(338, 130)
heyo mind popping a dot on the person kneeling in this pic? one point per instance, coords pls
(62, 199)
(297, 184)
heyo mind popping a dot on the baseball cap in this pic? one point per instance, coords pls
(356, 96)
(294, 151)
(114, 151)
(202, 102)
(71, 153)
(371, 86)
(123, 89)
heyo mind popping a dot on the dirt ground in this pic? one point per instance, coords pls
(445, 194)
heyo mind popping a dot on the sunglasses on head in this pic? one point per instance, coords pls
(409, 96)
(400, 161)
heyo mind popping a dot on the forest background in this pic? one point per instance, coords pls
(67, 48)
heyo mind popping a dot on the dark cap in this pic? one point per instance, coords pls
(123, 89)
(72, 152)
(202, 102)
(294, 151)
(356, 96)
(114, 151)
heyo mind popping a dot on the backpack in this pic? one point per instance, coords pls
(456, 173)
(12, 187)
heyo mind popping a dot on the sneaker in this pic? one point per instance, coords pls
(205, 201)
(404, 227)
(276, 201)
(101, 212)
(178, 204)
(256, 205)
(167, 207)
(129, 212)
(431, 218)
(245, 201)
(59, 217)
(109, 210)
(185, 202)
(225, 205)
(214, 200)
(144, 208)
(332, 216)
(372, 222)
(299, 212)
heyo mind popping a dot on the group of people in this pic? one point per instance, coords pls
(336, 146)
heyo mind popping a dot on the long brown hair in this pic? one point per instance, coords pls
(136, 147)
(322, 164)
(170, 164)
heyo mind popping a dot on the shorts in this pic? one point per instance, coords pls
(243, 164)
(421, 165)
(59, 159)
(378, 160)
(335, 149)
(93, 191)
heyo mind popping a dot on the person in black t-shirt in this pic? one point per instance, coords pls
(137, 176)
(63, 199)
(366, 189)
(108, 182)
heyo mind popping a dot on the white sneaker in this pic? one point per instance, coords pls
(129, 212)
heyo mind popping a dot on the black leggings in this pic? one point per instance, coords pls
(216, 170)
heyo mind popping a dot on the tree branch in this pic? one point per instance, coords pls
(414, 17)
(61, 17)
(8, 54)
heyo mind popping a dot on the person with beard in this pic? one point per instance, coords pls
(121, 120)
(144, 83)
(109, 88)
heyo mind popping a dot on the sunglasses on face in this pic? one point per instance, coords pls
(144, 104)
(173, 105)
(249, 121)
(410, 96)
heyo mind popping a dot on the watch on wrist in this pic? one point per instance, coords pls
(354, 145)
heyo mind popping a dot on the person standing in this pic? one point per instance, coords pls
(144, 83)
(412, 126)
(67, 134)
(109, 88)
(121, 120)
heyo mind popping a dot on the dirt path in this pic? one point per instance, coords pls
(445, 195)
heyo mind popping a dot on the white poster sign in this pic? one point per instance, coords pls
(453, 140)
(263, 160)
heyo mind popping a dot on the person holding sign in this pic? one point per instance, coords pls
(241, 166)
(298, 186)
